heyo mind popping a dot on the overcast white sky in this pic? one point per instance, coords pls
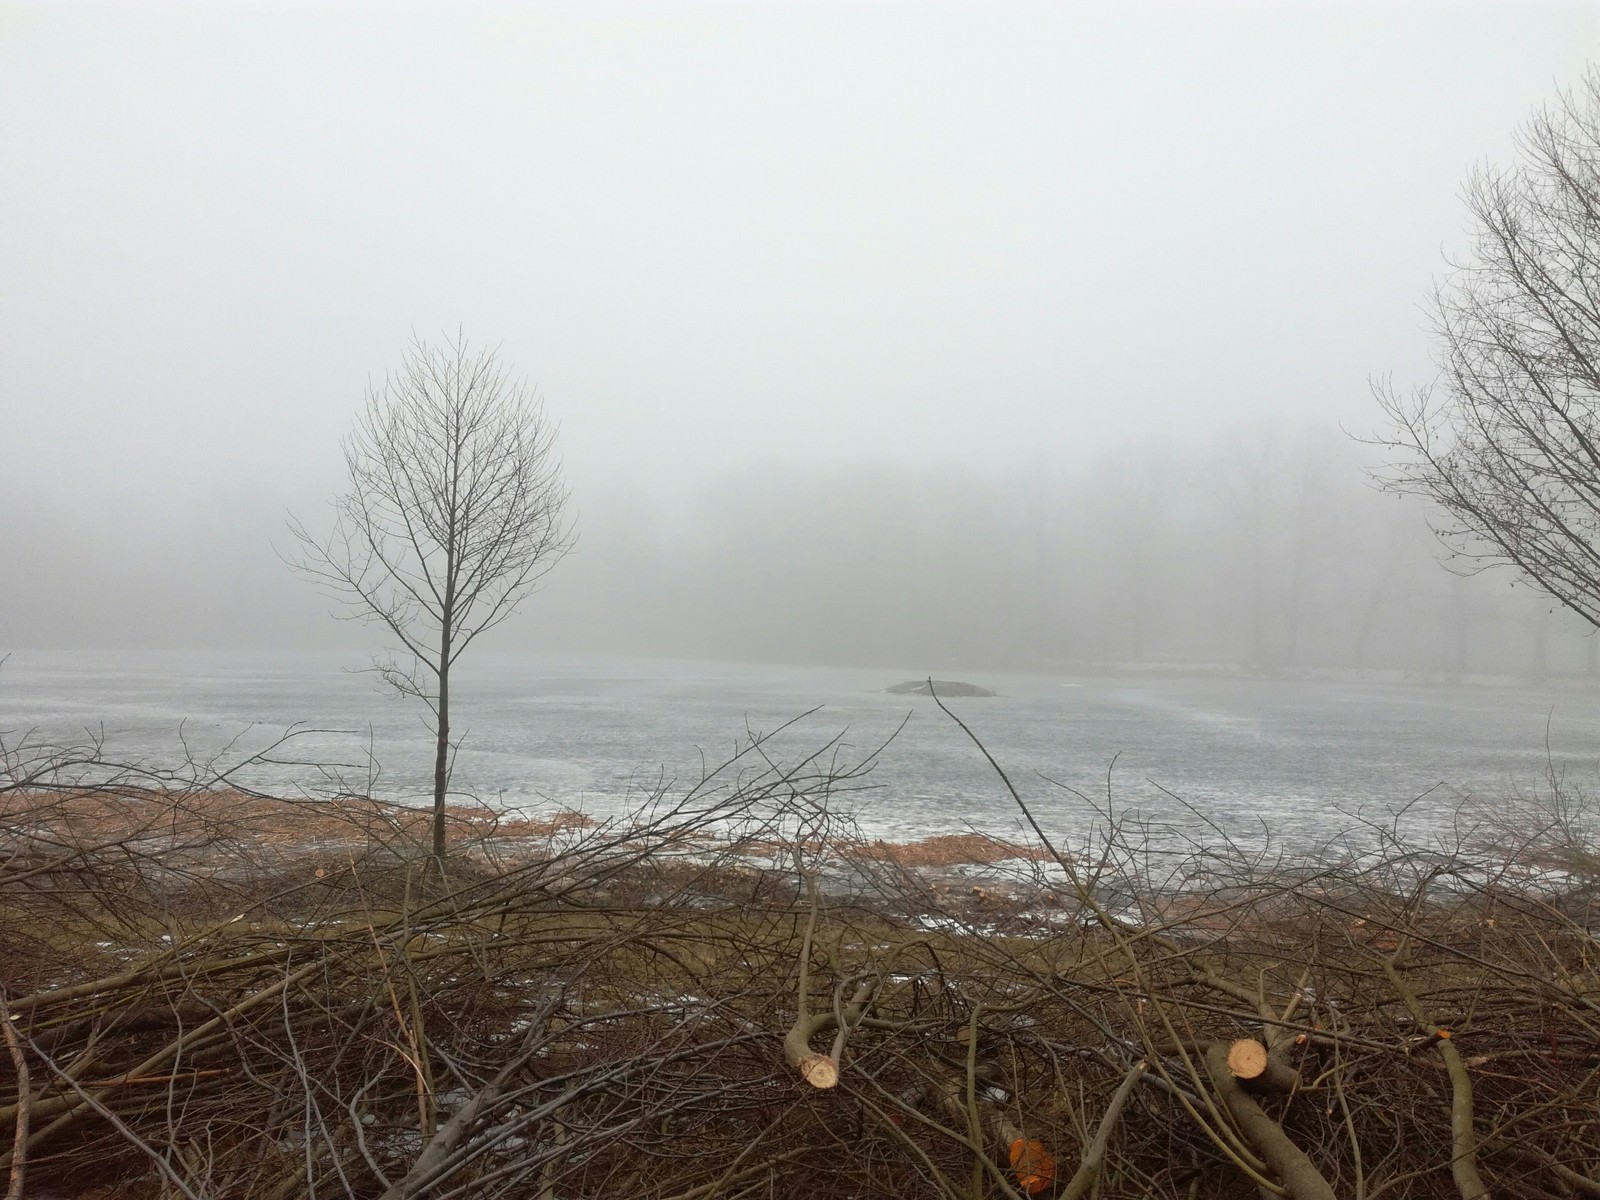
(722, 235)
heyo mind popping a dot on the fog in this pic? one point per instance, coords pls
(925, 338)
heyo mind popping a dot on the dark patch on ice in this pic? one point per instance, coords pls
(944, 687)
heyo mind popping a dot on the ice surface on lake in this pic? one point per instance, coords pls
(596, 734)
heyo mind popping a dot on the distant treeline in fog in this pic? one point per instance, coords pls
(1269, 549)
(1264, 548)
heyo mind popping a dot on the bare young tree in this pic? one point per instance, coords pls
(456, 510)
(1506, 441)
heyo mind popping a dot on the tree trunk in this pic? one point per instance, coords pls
(441, 760)
(1251, 1064)
(1296, 1171)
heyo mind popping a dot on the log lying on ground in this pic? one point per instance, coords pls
(1094, 1155)
(819, 1070)
(1293, 1167)
(1251, 1064)
(822, 1070)
(1463, 1137)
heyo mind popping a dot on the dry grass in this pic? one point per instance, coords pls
(943, 850)
(119, 813)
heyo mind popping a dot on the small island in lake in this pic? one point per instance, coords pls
(944, 687)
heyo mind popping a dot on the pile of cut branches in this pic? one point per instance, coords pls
(733, 995)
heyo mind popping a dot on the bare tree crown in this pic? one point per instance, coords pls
(456, 506)
(1506, 441)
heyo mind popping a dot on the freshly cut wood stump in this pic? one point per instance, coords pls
(1247, 1058)
(1249, 1063)
(819, 1070)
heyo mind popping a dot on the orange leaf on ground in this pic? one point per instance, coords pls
(1033, 1166)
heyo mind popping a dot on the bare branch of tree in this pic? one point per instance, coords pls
(1506, 441)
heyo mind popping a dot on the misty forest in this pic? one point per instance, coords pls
(1263, 546)
(731, 601)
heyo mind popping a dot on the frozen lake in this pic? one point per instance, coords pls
(594, 734)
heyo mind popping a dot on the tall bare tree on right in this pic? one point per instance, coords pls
(1506, 441)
